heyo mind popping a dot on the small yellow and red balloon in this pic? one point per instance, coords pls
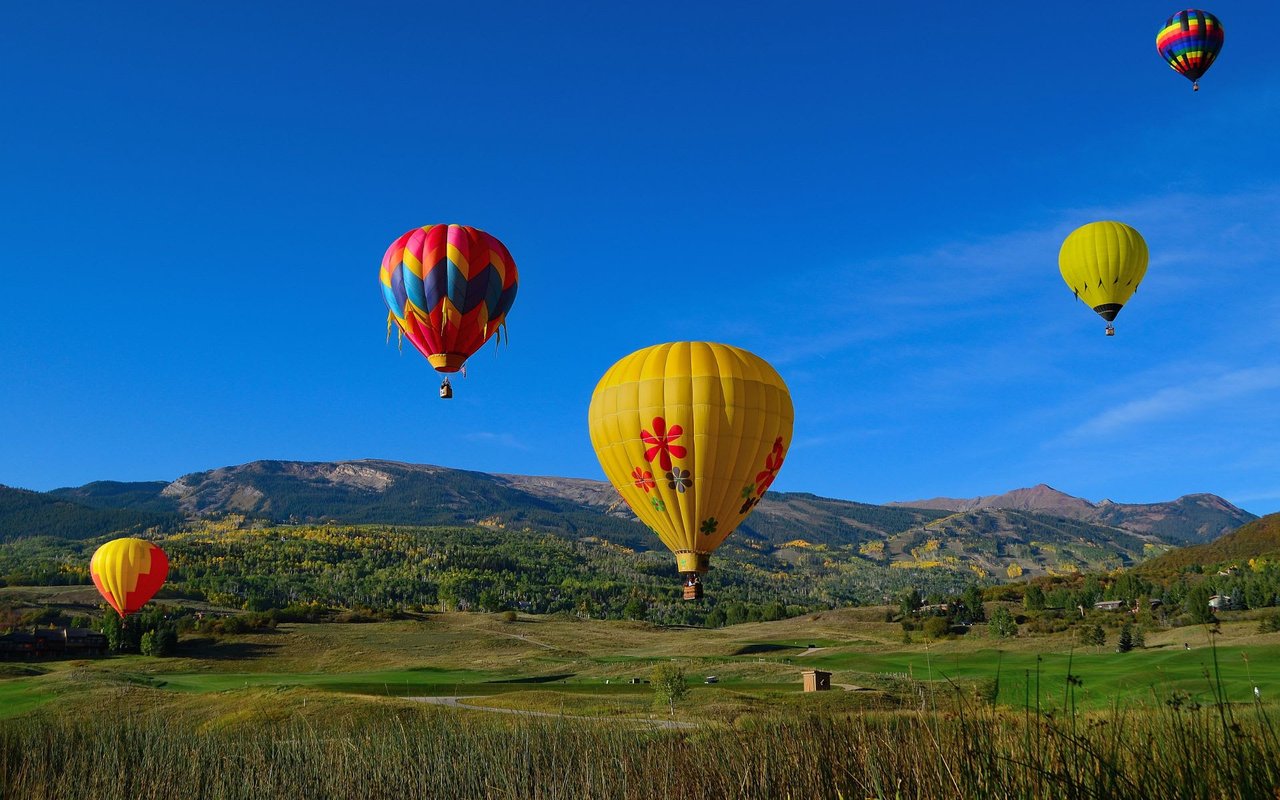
(128, 573)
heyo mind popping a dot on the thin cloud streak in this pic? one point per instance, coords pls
(1178, 400)
(501, 439)
(933, 288)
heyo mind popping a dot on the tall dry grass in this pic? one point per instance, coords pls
(1174, 750)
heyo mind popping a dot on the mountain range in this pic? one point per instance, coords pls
(1021, 533)
(1191, 519)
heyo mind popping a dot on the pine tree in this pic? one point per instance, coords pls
(1125, 644)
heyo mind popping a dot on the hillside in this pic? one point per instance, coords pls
(1190, 519)
(1258, 539)
(394, 493)
(136, 495)
(26, 514)
(863, 548)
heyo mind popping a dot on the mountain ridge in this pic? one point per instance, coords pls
(988, 541)
(1190, 519)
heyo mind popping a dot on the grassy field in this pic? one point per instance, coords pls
(323, 711)
(571, 663)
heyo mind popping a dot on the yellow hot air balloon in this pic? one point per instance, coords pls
(1103, 263)
(128, 573)
(692, 435)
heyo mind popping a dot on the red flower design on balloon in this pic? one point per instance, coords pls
(643, 479)
(660, 443)
(772, 463)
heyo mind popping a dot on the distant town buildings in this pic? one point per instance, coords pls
(52, 643)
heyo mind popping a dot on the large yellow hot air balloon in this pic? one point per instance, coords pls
(1103, 263)
(692, 435)
(128, 573)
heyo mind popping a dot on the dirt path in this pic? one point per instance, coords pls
(527, 639)
(456, 702)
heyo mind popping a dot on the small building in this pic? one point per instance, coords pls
(815, 680)
(1222, 602)
(937, 609)
(1109, 605)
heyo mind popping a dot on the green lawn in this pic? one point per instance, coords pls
(1105, 677)
(757, 665)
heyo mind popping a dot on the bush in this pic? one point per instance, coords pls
(1002, 624)
(1269, 624)
(936, 627)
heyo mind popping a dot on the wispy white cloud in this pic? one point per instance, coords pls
(1178, 400)
(1197, 242)
(500, 439)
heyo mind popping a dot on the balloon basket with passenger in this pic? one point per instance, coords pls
(692, 566)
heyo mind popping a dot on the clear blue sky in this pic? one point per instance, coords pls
(871, 196)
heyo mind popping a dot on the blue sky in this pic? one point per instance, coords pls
(870, 196)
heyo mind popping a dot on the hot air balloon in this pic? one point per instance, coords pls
(128, 573)
(691, 434)
(448, 288)
(1190, 41)
(1103, 263)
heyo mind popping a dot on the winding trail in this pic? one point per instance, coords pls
(455, 701)
(527, 639)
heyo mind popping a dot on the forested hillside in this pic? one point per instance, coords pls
(24, 513)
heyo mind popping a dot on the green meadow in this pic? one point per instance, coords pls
(756, 666)
(409, 709)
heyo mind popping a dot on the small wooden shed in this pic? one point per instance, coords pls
(815, 680)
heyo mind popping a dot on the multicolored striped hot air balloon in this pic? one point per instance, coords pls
(449, 288)
(1190, 41)
(128, 573)
(692, 435)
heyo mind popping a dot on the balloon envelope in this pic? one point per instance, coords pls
(449, 288)
(1103, 263)
(692, 435)
(128, 573)
(1189, 41)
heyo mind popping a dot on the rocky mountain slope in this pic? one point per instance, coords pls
(1023, 533)
(1190, 519)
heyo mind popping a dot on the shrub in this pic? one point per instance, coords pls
(1002, 624)
(936, 627)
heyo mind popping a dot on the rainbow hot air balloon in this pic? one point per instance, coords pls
(1190, 41)
(691, 434)
(448, 288)
(1103, 263)
(128, 573)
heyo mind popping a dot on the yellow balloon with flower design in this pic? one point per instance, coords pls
(691, 434)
